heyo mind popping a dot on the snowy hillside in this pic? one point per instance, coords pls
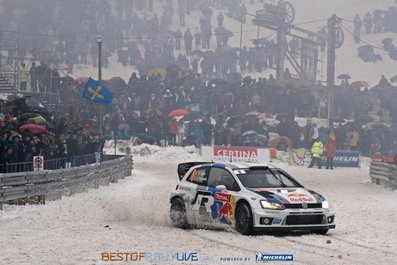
(309, 14)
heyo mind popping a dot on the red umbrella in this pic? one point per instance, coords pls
(117, 78)
(358, 84)
(81, 80)
(153, 110)
(318, 87)
(33, 128)
(265, 115)
(252, 113)
(178, 112)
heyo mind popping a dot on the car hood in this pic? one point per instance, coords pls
(289, 195)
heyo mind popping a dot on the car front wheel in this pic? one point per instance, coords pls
(244, 219)
(178, 214)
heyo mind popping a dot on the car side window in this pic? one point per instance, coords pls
(199, 176)
(220, 176)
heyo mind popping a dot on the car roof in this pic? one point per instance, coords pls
(241, 165)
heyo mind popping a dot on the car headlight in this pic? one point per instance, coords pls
(325, 204)
(271, 205)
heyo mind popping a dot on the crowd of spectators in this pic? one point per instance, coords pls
(202, 77)
(377, 21)
(222, 111)
(60, 140)
(137, 35)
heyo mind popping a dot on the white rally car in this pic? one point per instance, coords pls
(247, 196)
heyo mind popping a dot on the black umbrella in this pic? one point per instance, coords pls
(197, 53)
(26, 116)
(344, 76)
(249, 133)
(393, 79)
(232, 121)
(209, 54)
(218, 83)
(195, 115)
(365, 119)
(387, 41)
(234, 78)
(338, 120)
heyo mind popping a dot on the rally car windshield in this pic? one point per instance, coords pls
(265, 178)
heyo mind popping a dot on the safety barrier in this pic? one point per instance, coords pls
(52, 164)
(53, 184)
(383, 174)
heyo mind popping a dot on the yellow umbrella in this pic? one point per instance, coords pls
(158, 71)
(38, 119)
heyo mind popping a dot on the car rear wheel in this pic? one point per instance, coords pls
(178, 214)
(320, 231)
(244, 219)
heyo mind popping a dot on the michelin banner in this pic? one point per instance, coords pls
(343, 158)
(235, 154)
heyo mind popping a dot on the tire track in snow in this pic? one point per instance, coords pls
(353, 255)
(247, 249)
(363, 246)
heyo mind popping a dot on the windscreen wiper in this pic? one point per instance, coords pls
(278, 179)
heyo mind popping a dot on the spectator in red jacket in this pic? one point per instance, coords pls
(8, 118)
(330, 150)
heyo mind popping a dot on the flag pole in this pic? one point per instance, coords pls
(100, 81)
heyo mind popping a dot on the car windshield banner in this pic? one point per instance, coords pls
(235, 154)
(343, 158)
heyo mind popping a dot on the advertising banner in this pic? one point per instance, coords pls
(343, 158)
(235, 154)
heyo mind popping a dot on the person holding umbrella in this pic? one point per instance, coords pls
(13, 146)
(173, 126)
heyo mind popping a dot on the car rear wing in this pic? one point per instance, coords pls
(183, 168)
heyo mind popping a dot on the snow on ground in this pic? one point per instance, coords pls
(132, 216)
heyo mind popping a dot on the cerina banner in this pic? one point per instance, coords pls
(235, 154)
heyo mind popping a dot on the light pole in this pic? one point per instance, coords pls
(242, 20)
(51, 69)
(332, 23)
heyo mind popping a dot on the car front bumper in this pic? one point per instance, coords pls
(293, 219)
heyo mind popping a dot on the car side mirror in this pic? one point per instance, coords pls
(220, 187)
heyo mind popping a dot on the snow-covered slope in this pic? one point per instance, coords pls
(309, 14)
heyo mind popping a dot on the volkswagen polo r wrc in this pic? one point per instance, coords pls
(249, 197)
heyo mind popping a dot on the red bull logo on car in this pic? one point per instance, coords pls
(223, 208)
(225, 211)
(299, 197)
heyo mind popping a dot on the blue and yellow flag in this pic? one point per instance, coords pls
(97, 92)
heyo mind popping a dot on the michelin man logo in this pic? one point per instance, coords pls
(299, 159)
